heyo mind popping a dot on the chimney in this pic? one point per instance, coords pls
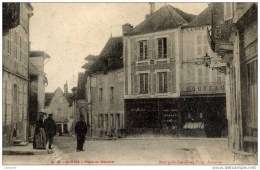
(66, 89)
(127, 28)
(152, 7)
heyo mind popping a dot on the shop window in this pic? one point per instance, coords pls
(162, 77)
(143, 83)
(143, 50)
(162, 47)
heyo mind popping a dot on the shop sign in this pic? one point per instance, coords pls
(205, 88)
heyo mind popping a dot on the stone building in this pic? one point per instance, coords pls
(165, 90)
(15, 71)
(60, 105)
(104, 90)
(234, 39)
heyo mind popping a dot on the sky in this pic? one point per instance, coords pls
(68, 32)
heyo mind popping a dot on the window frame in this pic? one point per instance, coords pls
(143, 49)
(162, 82)
(162, 49)
(143, 83)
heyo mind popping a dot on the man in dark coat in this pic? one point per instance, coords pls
(50, 129)
(81, 131)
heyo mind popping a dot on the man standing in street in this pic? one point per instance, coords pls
(81, 131)
(50, 129)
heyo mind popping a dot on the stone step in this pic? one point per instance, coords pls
(21, 144)
(17, 141)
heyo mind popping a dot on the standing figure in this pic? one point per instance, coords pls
(50, 129)
(39, 141)
(81, 131)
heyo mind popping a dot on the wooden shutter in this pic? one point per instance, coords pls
(149, 48)
(153, 77)
(135, 84)
(149, 83)
(170, 82)
(135, 46)
(153, 48)
(169, 47)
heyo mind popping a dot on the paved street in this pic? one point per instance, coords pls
(138, 150)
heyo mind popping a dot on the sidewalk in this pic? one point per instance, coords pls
(27, 150)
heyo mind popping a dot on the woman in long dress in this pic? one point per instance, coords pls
(39, 135)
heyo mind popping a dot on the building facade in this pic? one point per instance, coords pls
(202, 89)
(16, 77)
(165, 90)
(60, 105)
(104, 90)
(37, 83)
(238, 48)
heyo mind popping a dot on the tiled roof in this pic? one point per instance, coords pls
(81, 86)
(110, 57)
(39, 54)
(167, 17)
(204, 18)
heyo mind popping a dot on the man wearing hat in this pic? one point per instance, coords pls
(50, 129)
(81, 131)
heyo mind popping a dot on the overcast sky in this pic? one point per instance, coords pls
(68, 32)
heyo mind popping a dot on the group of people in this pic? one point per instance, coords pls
(46, 129)
(44, 132)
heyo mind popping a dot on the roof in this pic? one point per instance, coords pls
(49, 96)
(110, 57)
(81, 86)
(39, 54)
(204, 18)
(167, 17)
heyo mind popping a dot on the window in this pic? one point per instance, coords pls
(21, 49)
(100, 94)
(143, 83)
(162, 48)
(143, 50)
(118, 120)
(9, 43)
(202, 45)
(228, 11)
(218, 77)
(111, 95)
(162, 82)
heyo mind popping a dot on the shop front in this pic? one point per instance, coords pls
(203, 109)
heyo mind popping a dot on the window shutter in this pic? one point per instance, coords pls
(135, 84)
(149, 48)
(153, 48)
(135, 51)
(153, 76)
(170, 82)
(228, 11)
(169, 47)
(149, 83)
